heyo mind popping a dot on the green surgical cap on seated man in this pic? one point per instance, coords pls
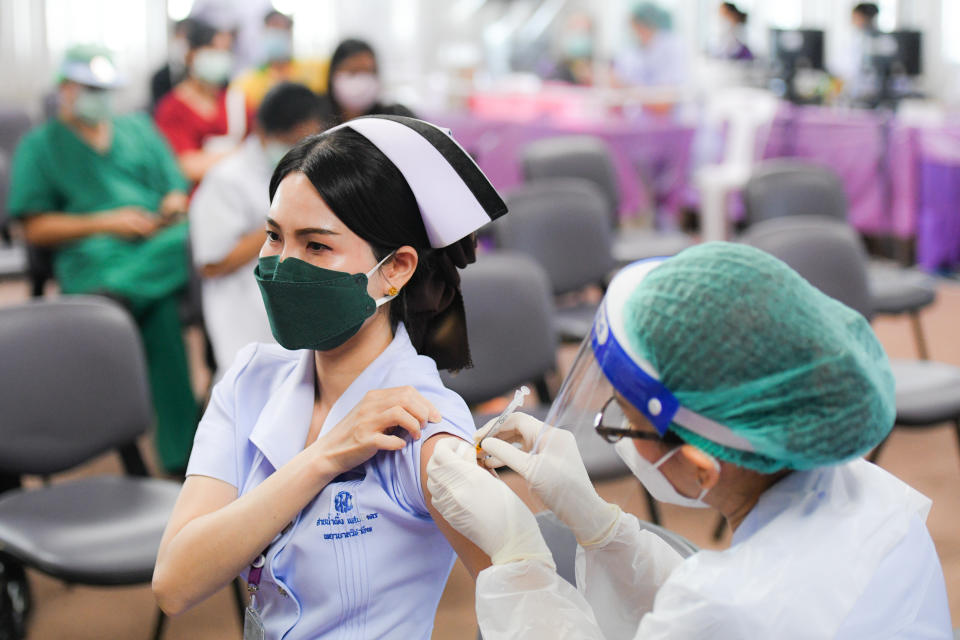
(741, 338)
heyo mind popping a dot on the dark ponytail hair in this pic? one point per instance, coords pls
(372, 198)
(734, 10)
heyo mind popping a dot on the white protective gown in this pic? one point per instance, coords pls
(836, 552)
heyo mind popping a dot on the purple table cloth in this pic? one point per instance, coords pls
(854, 145)
(652, 157)
(899, 180)
(938, 219)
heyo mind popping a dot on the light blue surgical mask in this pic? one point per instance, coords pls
(277, 45)
(577, 46)
(93, 105)
(212, 66)
(274, 150)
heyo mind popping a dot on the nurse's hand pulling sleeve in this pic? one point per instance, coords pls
(555, 473)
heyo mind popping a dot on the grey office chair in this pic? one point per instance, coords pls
(509, 312)
(13, 255)
(14, 123)
(589, 158)
(830, 255)
(510, 322)
(561, 223)
(73, 386)
(563, 544)
(788, 187)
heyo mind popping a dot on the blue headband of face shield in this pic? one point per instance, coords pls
(634, 378)
(637, 387)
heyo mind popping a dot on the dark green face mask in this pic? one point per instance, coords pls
(314, 308)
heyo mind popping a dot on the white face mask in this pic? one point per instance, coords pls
(653, 479)
(356, 91)
(212, 66)
(274, 150)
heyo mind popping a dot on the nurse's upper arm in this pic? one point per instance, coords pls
(199, 496)
(470, 554)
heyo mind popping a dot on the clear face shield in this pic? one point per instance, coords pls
(608, 372)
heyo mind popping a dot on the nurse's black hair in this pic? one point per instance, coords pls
(369, 194)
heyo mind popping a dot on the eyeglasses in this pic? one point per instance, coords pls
(612, 425)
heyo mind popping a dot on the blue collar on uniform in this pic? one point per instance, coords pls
(282, 427)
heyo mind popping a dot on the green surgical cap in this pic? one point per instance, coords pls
(652, 15)
(88, 64)
(741, 338)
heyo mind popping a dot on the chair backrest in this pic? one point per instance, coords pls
(584, 157)
(510, 325)
(680, 544)
(561, 224)
(73, 383)
(563, 544)
(788, 187)
(827, 252)
(4, 188)
(14, 122)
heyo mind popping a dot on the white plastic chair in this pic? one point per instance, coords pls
(747, 114)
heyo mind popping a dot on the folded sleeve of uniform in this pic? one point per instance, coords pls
(32, 190)
(528, 600)
(216, 451)
(404, 483)
(620, 576)
(215, 222)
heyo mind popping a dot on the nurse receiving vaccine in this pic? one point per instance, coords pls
(307, 475)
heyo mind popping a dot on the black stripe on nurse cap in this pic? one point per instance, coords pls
(454, 197)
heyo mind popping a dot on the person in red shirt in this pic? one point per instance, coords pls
(195, 116)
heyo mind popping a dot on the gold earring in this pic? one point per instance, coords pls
(392, 291)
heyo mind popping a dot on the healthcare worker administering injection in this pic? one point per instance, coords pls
(723, 380)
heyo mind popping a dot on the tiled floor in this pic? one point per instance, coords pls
(927, 459)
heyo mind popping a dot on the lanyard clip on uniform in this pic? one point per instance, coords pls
(252, 623)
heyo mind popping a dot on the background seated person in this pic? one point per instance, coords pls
(195, 116)
(355, 85)
(106, 192)
(278, 64)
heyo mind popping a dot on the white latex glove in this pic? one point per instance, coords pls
(555, 473)
(481, 507)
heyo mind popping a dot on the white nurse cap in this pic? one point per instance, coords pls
(454, 197)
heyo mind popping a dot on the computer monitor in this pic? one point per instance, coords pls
(797, 48)
(897, 53)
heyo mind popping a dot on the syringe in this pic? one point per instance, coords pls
(516, 403)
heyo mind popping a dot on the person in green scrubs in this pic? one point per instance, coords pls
(106, 192)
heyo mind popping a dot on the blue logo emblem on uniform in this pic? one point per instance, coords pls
(343, 502)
